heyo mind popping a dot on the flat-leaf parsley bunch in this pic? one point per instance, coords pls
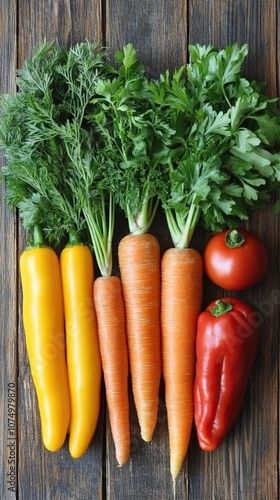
(222, 162)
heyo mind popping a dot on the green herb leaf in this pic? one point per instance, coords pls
(222, 164)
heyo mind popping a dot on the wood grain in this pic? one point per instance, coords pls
(8, 282)
(158, 30)
(246, 467)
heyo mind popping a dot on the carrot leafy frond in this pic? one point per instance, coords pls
(54, 157)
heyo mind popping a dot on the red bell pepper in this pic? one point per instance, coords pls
(227, 335)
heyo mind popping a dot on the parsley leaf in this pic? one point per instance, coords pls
(136, 139)
(222, 162)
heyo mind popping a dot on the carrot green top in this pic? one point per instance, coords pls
(55, 160)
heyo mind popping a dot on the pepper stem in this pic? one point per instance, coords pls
(234, 238)
(38, 237)
(74, 239)
(221, 307)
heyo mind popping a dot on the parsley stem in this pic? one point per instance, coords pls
(143, 221)
(181, 233)
(191, 223)
(172, 226)
(225, 96)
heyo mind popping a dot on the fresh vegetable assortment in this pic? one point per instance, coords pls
(217, 173)
(87, 141)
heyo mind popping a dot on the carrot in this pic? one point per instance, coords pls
(83, 355)
(181, 302)
(111, 330)
(139, 259)
(109, 307)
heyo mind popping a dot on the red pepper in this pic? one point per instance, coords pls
(227, 335)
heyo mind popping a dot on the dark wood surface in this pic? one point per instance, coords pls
(246, 467)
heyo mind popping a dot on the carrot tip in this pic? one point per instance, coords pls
(175, 469)
(146, 437)
(121, 464)
(122, 461)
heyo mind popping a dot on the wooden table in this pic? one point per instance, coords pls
(246, 467)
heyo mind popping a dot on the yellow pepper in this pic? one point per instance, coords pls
(83, 355)
(43, 321)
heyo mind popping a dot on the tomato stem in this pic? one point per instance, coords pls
(234, 238)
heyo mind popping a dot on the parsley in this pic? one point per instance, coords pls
(222, 164)
(135, 137)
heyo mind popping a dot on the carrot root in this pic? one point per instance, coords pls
(109, 308)
(139, 259)
(181, 303)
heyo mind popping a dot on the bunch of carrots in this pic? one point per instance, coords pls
(86, 141)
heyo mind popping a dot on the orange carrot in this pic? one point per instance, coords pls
(139, 259)
(109, 308)
(181, 303)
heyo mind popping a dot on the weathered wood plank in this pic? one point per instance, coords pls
(158, 30)
(8, 281)
(66, 22)
(41, 474)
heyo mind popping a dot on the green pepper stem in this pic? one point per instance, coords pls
(38, 237)
(221, 307)
(74, 239)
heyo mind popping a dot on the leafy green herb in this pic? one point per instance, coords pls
(222, 165)
(53, 173)
(135, 137)
(82, 135)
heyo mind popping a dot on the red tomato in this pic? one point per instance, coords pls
(234, 259)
